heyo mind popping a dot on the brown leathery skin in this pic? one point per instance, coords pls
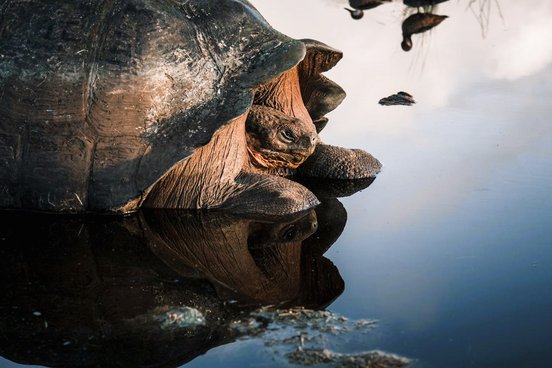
(206, 178)
(213, 178)
(298, 228)
(270, 194)
(284, 94)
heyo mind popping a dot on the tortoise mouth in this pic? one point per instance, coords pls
(270, 159)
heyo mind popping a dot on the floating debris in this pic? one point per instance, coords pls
(181, 317)
(302, 336)
(168, 317)
(371, 359)
(288, 324)
(400, 98)
(314, 320)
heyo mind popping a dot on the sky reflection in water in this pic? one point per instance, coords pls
(451, 246)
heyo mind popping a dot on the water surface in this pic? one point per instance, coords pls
(449, 249)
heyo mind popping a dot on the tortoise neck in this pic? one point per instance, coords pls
(284, 94)
(203, 179)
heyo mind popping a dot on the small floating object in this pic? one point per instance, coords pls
(360, 5)
(399, 98)
(418, 23)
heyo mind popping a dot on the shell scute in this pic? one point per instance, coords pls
(61, 163)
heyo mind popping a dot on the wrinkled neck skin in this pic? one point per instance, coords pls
(284, 94)
(206, 178)
(219, 175)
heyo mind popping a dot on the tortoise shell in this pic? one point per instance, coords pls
(100, 98)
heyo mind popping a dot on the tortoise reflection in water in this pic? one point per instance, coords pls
(117, 105)
(90, 292)
(252, 262)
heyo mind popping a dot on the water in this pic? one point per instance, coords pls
(449, 249)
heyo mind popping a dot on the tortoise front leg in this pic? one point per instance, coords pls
(332, 162)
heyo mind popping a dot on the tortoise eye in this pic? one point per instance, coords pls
(288, 135)
(289, 233)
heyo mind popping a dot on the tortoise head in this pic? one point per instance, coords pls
(276, 140)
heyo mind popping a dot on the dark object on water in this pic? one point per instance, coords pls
(360, 5)
(418, 23)
(400, 98)
(422, 3)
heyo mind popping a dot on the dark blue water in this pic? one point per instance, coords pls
(449, 249)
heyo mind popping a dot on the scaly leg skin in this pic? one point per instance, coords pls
(269, 195)
(332, 162)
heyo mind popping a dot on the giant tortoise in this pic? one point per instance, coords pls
(113, 105)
